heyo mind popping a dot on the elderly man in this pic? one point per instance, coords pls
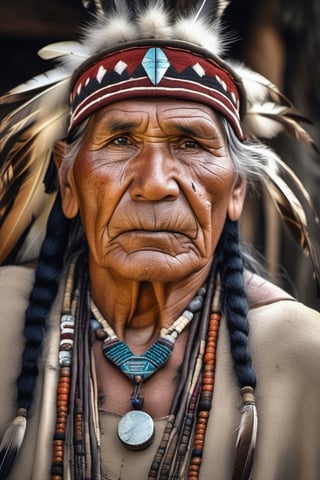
(141, 365)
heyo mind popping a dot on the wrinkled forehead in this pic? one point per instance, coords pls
(169, 114)
(155, 72)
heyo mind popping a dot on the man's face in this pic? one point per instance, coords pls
(153, 182)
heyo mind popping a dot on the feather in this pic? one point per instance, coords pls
(99, 6)
(60, 49)
(27, 134)
(108, 6)
(201, 33)
(29, 158)
(247, 435)
(121, 6)
(221, 7)
(210, 9)
(30, 112)
(258, 122)
(257, 87)
(293, 128)
(284, 170)
(30, 201)
(293, 214)
(268, 119)
(294, 205)
(109, 32)
(11, 444)
(35, 113)
(268, 111)
(154, 22)
(38, 82)
(259, 90)
(105, 6)
(39, 109)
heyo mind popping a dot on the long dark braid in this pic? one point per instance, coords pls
(41, 298)
(234, 303)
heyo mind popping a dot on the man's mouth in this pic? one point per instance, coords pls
(153, 220)
(157, 240)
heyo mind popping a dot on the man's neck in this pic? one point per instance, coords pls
(138, 310)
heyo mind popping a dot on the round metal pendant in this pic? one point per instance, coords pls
(136, 430)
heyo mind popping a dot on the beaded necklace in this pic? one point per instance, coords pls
(136, 428)
(183, 438)
(67, 324)
(76, 444)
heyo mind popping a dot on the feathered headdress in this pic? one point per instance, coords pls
(169, 48)
(180, 52)
(38, 112)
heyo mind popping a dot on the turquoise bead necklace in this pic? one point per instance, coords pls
(136, 428)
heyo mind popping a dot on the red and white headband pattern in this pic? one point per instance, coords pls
(154, 71)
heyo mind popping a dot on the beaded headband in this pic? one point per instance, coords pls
(155, 71)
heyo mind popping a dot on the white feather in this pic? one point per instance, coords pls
(121, 6)
(221, 6)
(206, 7)
(154, 22)
(199, 9)
(258, 120)
(256, 85)
(108, 33)
(200, 33)
(39, 81)
(60, 49)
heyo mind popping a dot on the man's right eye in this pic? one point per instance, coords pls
(121, 140)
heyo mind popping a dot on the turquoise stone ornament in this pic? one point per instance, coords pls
(137, 365)
(156, 63)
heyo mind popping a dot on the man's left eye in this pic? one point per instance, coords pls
(190, 144)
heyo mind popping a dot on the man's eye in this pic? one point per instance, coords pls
(121, 140)
(190, 144)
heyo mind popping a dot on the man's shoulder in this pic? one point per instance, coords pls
(281, 326)
(15, 285)
(275, 316)
(260, 291)
(16, 277)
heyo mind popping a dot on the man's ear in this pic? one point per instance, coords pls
(237, 198)
(67, 190)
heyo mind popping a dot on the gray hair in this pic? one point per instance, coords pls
(250, 158)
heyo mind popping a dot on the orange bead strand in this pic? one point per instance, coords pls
(61, 423)
(205, 397)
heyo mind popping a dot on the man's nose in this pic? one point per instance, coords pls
(154, 175)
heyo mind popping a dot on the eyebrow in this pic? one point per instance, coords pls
(195, 132)
(121, 126)
(185, 130)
